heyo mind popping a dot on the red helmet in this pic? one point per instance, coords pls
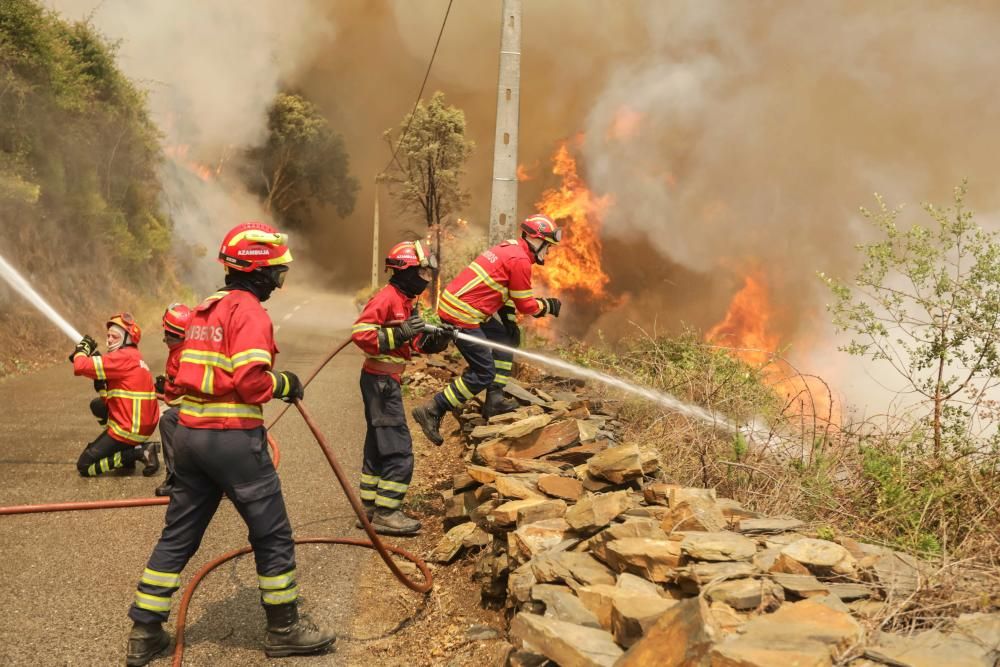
(253, 245)
(175, 319)
(128, 323)
(540, 226)
(410, 253)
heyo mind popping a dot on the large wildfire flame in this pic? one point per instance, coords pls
(576, 264)
(746, 332)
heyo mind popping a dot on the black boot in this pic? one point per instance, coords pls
(287, 634)
(394, 522)
(429, 417)
(496, 403)
(167, 487)
(150, 457)
(369, 508)
(145, 642)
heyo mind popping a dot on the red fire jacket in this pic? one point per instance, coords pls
(172, 394)
(500, 274)
(372, 332)
(130, 397)
(228, 349)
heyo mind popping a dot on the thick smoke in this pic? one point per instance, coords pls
(211, 69)
(758, 128)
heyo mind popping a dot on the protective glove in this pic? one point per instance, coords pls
(436, 338)
(288, 387)
(160, 384)
(87, 346)
(410, 327)
(550, 306)
(100, 385)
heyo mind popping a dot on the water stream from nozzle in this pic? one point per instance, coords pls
(18, 282)
(661, 398)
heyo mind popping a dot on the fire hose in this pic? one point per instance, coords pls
(375, 542)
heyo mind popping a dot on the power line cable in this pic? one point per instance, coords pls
(421, 93)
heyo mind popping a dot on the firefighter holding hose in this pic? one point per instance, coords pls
(175, 321)
(127, 404)
(389, 330)
(225, 374)
(483, 301)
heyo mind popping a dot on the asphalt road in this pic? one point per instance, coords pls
(66, 579)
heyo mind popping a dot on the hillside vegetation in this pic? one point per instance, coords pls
(79, 191)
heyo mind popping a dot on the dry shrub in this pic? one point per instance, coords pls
(875, 480)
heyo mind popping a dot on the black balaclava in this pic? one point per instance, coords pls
(409, 281)
(260, 282)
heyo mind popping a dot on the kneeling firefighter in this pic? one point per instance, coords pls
(127, 404)
(476, 301)
(389, 330)
(175, 321)
(219, 448)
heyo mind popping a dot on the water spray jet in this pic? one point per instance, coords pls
(18, 282)
(660, 398)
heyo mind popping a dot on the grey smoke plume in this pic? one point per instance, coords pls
(211, 69)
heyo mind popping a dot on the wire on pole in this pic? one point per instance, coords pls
(420, 94)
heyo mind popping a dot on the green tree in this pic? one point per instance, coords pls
(927, 301)
(302, 163)
(430, 155)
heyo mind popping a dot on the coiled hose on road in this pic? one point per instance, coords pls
(374, 542)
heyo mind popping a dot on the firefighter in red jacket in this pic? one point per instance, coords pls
(127, 403)
(389, 330)
(175, 321)
(483, 301)
(219, 448)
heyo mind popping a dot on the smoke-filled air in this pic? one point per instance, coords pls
(631, 332)
(710, 156)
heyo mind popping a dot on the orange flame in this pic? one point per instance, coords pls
(179, 154)
(575, 265)
(746, 331)
(522, 173)
(744, 328)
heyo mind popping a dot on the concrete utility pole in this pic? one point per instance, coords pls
(503, 202)
(375, 238)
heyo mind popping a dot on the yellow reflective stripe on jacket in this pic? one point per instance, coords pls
(207, 380)
(276, 582)
(221, 410)
(133, 395)
(152, 602)
(136, 410)
(162, 579)
(461, 311)
(251, 356)
(207, 358)
(99, 368)
(130, 435)
(481, 272)
(364, 326)
(388, 357)
(458, 315)
(468, 286)
(521, 294)
(280, 597)
(390, 338)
